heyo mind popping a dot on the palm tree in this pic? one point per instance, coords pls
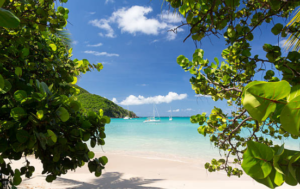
(293, 42)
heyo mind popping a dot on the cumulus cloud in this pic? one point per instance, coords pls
(114, 100)
(139, 100)
(96, 45)
(177, 110)
(171, 17)
(103, 24)
(134, 20)
(200, 95)
(100, 53)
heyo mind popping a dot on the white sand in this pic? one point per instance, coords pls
(129, 172)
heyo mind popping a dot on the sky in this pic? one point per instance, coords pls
(131, 38)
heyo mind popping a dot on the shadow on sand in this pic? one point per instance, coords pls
(109, 180)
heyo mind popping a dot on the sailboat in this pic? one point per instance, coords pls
(127, 117)
(170, 118)
(153, 119)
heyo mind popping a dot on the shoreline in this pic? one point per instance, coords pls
(125, 171)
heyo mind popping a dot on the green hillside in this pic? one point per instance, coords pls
(92, 102)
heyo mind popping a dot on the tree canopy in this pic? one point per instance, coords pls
(268, 109)
(39, 114)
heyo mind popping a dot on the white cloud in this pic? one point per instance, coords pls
(103, 24)
(200, 95)
(154, 41)
(134, 20)
(92, 13)
(188, 109)
(100, 53)
(109, 1)
(114, 100)
(281, 43)
(171, 17)
(139, 100)
(75, 42)
(96, 45)
(177, 110)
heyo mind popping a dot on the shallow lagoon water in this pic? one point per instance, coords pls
(176, 140)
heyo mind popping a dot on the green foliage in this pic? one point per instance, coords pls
(265, 108)
(92, 102)
(39, 113)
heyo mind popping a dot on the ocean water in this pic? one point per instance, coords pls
(176, 140)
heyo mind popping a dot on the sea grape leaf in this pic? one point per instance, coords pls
(290, 167)
(290, 116)
(1, 3)
(52, 135)
(75, 105)
(260, 100)
(22, 136)
(18, 71)
(277, 29)
(269, 180)
(8, 19)
(256, 160)
(295, 91)
(40, 114)
(2, 82)
(103, 160)
(20, 95)
(63, 114)
(17, 177)
(91, 154)
(18, 113)
(53, 47)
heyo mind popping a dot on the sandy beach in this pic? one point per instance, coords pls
(132, 172)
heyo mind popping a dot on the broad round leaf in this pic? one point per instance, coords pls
(256, 160)
(18, 113)
(52, 135)
(18, 71)
(290, 116)
(20, 95)
(53, 47)
(75, 105)
(22, 136)
(103, 160)
(260, 99)
(63, 114)
(2, 82)
(91, 154)
(8, 19)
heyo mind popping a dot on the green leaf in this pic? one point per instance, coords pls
(50, 178)
(260, 99)
(18, 71)
(25, 52)
(3, 145)
(52, 135)
(20, 95)
(279, 178)
(18, 113)
(291, 167)
(22, 136)
(91, 154)
(63, 114)
(2, 82)
(277, 29)
(295, 91)
(40, 114)
(256, 160)
(17, 178)
(53, 47)
(290, 116)
(101, 112)
(8, 19)
(1, 3)
(275, 4)
(75, 105)
(103, 160)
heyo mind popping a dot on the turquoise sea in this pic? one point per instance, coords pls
(176, 140)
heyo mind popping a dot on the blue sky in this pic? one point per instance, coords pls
(131, 39)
